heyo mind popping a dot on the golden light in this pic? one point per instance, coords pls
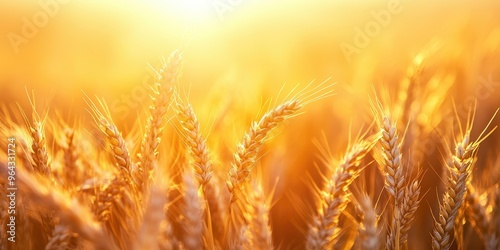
(191, 11)
(228, 102)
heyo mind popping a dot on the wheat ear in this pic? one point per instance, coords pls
(70, 212)
(113, 136)
(368, 230)
(217, 207)
(198, 149)
(259, 231)
(393, 169)
(61, 238)
(153, 216)
(39, 147)
(241, 240)
(394, 178)
(479, 218)
(459, 166)
(163, 90)
(409, 206)
(246, 155)
(116, 208)
(193, 214)
(71, 171)
(41, 165)
(459, 171)
(166, 238)
(247, 151)
(324, 230)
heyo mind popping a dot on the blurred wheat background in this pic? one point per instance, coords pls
(429, 64)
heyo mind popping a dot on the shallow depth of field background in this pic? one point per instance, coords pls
(235, 62)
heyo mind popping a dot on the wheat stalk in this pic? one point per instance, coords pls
(246, 155)
(71, 170)
(114, 138)
(70, 212)
(217, 207)
(162, 95)
(409, 206)
(368, 229)
(393, 169)
(40, 164)
(39, 149)
(241, 240)
(259, 231)
(324, 229)
(166, 238)
(61, 239)
(193, 224)
(480, 219)
(153, 216)
(394, 176)
(459, 171)
(198, 149)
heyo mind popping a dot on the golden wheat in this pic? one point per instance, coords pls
(324, 230)
(248, 150)
(163, 90)
(75, 195)
(460, 169)
(369, 233)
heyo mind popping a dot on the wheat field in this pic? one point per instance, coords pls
(269, 127)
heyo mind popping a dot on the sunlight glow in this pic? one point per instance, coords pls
(194, 10)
